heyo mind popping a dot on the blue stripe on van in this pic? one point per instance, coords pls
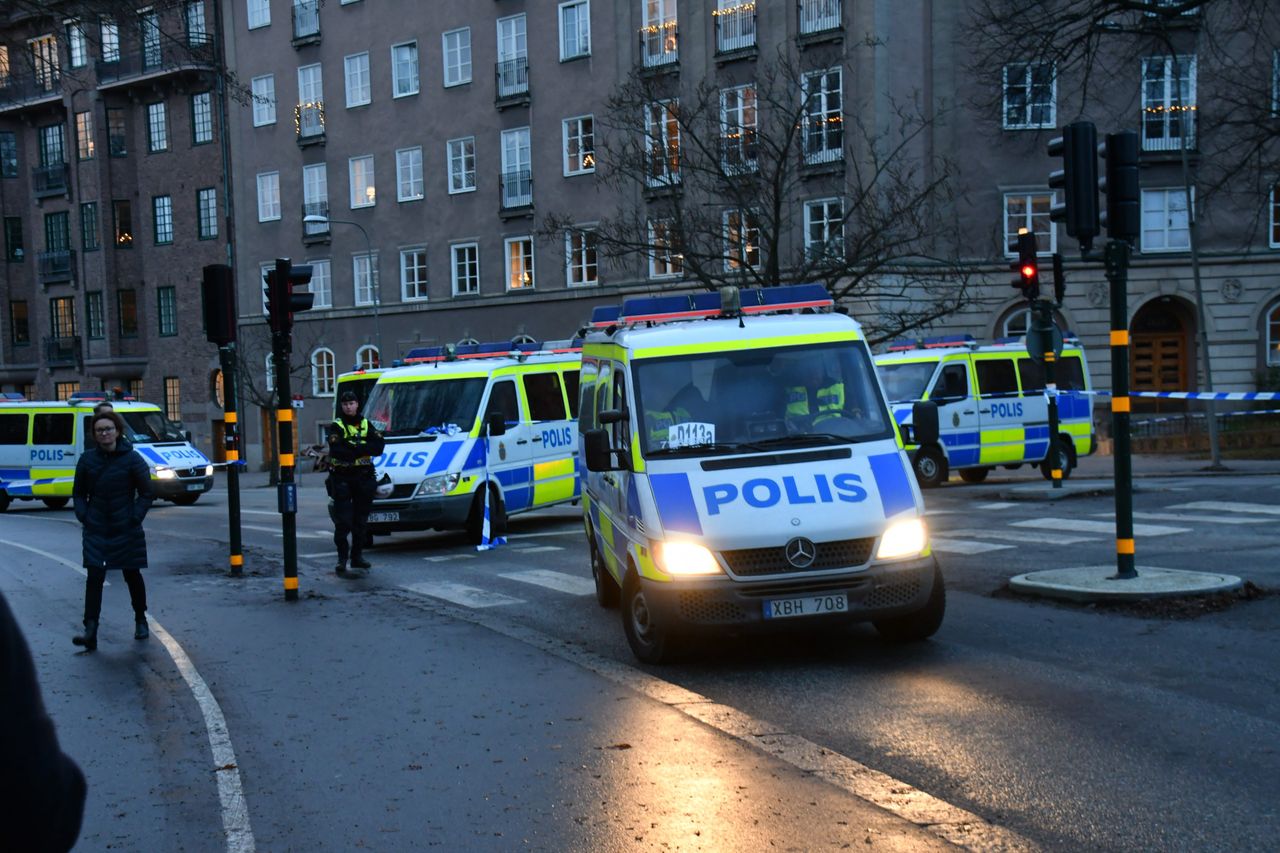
(444, 456)
(517, 499)
(475, 459)
(149, 454)
(892, 483)
(676, 508)
(515, 476)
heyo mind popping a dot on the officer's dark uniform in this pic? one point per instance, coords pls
(353, 442)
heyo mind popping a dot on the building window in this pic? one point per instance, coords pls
(513, 56)
(173, 398)
(361, 175)
(823, 117)
(409, 174)
(658, 37)
(4, 66)
(359, 91)
(14, 248)
(1029, 211)
(157, 128)
(581, 267)
(64, 390)
(517, 174)
(127, 306)
(575, 29)
(77, 46)
(323, 376)
(84, 135)
(201, 118)
(1029, 96)
(1165, 225)
(51, 150)
(579, 145)
(321, 284)
(264, 99)
(44, 62)
(741, 240)
(404, 69)
(117, 137)
(363, 271)
(519, 252)
(457, 56)
(197, 33)
(462, 165)
(268, 196)
(1168, 108)
(122, 218)
(207, 213)
(368, 358)
(149, 22)
(259, 13)
(269, 374)
(110, 40)
(95, 310)
(465, 268)
(738, 129)
(665, 258)
(57, 231)
(1273, 336)
(8, 154)
(662, 143)
(413, 273)
(62, 316)
(19, 323)
(89, 226)
(162, 218)
(1275, 217)
(824, 229)
(167, 310)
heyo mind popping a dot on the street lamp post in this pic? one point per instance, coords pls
(317, 219)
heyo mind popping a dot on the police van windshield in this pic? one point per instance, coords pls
(906, 381)
(151, 427)
(361, 387)
(429, 407)
(757, 399)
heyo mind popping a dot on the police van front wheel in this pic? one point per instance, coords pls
(923, 623)
(931, 467)
(974, 475)
(54, 503)
(185, 500)
(5, 500)
(650, 642)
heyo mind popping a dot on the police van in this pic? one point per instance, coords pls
(40, 443)
(743, 472)
(992, 405)
(460, 420)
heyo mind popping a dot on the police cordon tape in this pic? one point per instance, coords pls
(12, 485)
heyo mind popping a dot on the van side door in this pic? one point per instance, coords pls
(958, 427)
(15, 455)
(53, 450)
(509, 453)
(553, 438)
(1000, 410)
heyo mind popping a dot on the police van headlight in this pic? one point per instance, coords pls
(440, 485)
(904, 538)
(164, 472)
(686, 558)
(208, 470)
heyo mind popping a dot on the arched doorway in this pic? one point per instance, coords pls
(1160, 353)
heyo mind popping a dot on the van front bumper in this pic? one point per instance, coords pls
(877, 592)
(434, 513)
(176, 486)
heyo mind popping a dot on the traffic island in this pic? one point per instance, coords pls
(1099, 583)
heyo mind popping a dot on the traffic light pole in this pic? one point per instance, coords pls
(1116, 260)
(1042, 316)
(287, 490)
(231, 444)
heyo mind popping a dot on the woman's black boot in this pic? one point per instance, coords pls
(140, 627)
(89, 639)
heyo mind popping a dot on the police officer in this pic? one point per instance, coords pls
(353, 442)
(815, 395)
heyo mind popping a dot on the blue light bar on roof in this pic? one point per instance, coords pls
(694, 306)
(949, 341)
(605, 315)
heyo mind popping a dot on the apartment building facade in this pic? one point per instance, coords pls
(113, 199)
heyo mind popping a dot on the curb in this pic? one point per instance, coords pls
(1099, 583)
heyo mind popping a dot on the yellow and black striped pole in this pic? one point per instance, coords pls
(1116, 259)
(231, 445)
(287, 490)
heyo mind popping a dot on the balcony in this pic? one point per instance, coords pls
(660, 46)
(49, 181)
(824, 141)
(517, 194)
(819, 20)
(18, 92)
(735, 30)
(738, 152)
(62, 352)
(156, 61)
(306, 22)
(315, 232)
(308, 121)
(512, 82)
(56, 267)
(1163, 128)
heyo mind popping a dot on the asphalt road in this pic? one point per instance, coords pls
(433, 702)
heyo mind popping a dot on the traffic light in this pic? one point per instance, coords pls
(1078, 180)
(218, 296)
(282, 300)
(1059, 279)
(1027, 266)
(1123, 216)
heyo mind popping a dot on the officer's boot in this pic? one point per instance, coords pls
(89, 639)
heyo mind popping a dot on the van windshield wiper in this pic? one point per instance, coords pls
(712, 446)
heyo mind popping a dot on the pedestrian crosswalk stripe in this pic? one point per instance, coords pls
(461, 594)
(1205, 519)
(276, 530)
(996, 505)
(1230, 506)
(1019, 536)
(444, 558)
(559, 581)
(538, 549)
(1081, 525)
(964, 546)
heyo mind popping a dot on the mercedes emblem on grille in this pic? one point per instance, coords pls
(800, 552)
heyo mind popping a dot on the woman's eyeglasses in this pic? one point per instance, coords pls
(101, 430)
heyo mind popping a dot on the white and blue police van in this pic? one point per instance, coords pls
(743, 472)
(464, 421)
(992, 404)
(41, 442)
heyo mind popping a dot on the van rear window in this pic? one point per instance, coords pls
(996, 377)
(546, 400)
(53, 428)
(13, 428)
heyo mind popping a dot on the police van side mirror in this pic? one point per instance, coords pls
(495, 424)
(924, 422)
(612, 416)
(595, 445)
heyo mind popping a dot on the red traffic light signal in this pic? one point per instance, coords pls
(282, 300)
(1027, 266)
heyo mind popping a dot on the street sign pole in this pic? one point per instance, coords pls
(231, 444)
(1116, 260)
(287, 489)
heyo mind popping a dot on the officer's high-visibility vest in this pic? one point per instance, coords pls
(353, 433)
(830, 401)
(660, 423)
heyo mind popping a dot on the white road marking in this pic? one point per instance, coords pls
(467, 596)
(939, 511)
(300, 534)
(1019, 536)
(235, 813)
(441, 558)
(559, 581)
(244, 511)
(996, 505)
(1230, 506)
(964, 546)
(1082, 525)
(568, 531)
(1191, 519)
(537, 549)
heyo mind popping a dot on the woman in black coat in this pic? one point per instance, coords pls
(112, 494)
